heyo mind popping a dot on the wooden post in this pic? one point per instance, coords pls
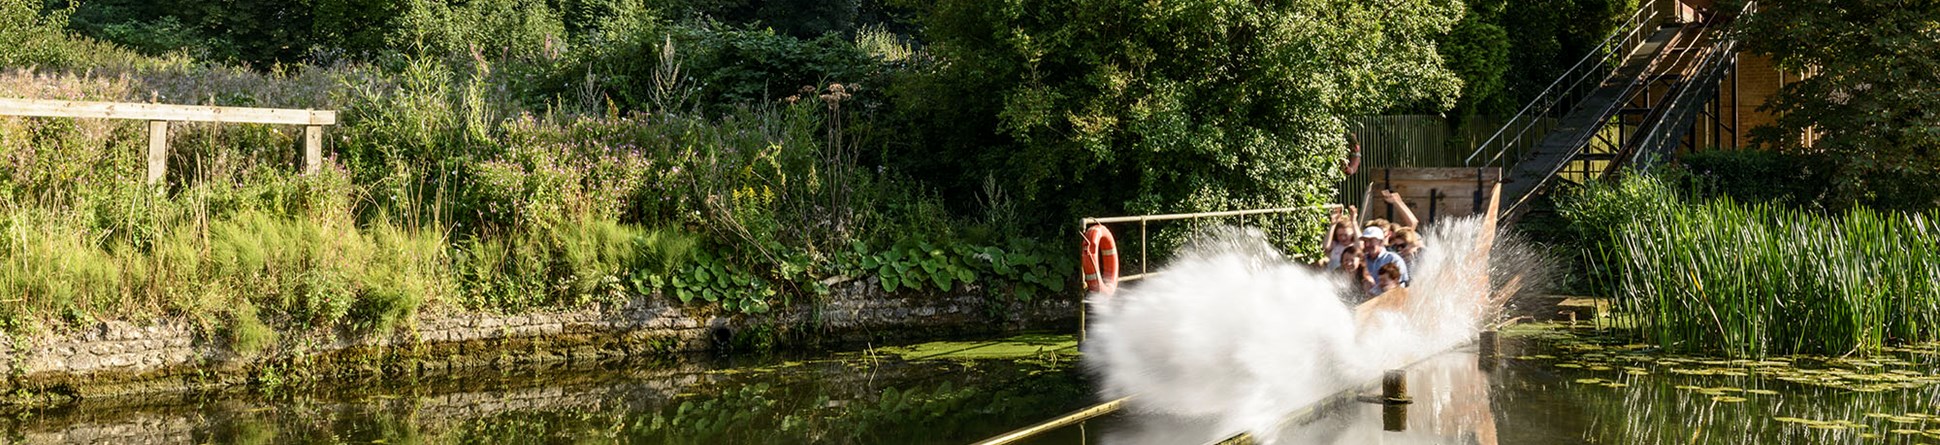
(157, 152)
(312, 149)
(1394, 417)
(1488, 345)
(1488, 350)
(1394, 387)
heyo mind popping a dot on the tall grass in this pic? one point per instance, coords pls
(1757, 280)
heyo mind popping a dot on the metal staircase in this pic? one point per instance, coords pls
(1632, 102)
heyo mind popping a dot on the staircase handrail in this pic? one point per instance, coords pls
(1628, 32)
(1649, 142)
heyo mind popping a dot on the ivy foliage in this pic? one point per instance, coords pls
(1109, 106)
(1870, 99)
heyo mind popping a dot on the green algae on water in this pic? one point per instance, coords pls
(1016, 347)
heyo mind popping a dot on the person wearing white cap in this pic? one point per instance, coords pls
(1374, 244)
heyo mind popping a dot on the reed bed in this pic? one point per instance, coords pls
(1754, 280)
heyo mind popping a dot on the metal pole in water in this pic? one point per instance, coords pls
(1082, 291)
(1060, 422)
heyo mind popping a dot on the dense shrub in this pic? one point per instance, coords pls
(1788, 180)
(740, 66)
(29, 38)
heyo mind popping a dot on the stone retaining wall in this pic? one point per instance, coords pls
(119, 358)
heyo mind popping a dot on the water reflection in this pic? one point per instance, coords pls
(1451, 405)
(851, 398)
(1598, 391)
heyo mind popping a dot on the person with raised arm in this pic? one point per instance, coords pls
(1407, 217)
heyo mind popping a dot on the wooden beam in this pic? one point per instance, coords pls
(157, 152)
(1445, 174)
(164, 112)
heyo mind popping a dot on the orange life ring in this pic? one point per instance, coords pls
(1099, 261)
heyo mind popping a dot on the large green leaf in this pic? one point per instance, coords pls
(942, 281)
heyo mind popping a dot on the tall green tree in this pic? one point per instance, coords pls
(1507, 52)
(1871, 100)
(256, 32)
(1108, 106)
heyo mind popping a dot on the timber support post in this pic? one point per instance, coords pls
(157, 152)
(312, 149)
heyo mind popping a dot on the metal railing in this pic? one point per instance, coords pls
(1144, 237)
(1144, 240)
(1670, 124)
(1564, 93)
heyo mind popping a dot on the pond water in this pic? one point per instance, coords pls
(1553, 386)
(939, 393)
(1558, 385)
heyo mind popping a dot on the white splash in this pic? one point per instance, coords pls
(1233, 332)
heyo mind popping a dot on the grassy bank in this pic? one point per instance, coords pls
(440, 197)
(447, 189)
(1717, 275)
